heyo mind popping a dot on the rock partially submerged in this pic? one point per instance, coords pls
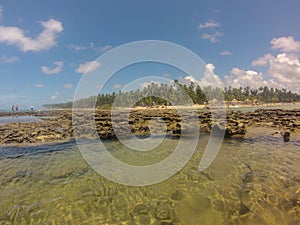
(286, 136)
(60, 125)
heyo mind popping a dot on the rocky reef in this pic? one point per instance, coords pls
(59, 125)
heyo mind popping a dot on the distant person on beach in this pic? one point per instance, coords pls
(31, 108)
(12, 108)
(17, 108)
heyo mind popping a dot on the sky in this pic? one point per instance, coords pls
(46, 46)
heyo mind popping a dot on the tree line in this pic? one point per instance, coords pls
(182, 94)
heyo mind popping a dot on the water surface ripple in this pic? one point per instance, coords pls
(255, 180)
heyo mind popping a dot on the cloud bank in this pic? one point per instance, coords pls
(282, 69)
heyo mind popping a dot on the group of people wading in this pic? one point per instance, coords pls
(15, 108)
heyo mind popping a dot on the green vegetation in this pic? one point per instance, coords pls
(150, 96)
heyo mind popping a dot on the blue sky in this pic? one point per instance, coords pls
(45, 45)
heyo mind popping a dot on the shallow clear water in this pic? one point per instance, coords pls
(255, 180)
(19, 119)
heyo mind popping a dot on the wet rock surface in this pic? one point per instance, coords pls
(60, 125)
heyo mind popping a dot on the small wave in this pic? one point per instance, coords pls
(16, 151)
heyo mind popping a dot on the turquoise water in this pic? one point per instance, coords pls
(255, 180)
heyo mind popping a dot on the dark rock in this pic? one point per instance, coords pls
(243, 209)
(248, 177)
(177, 195)
(286, 136)
(59, 127)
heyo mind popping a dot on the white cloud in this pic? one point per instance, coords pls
(44, 41)
(209, 24)
(90, 47)
(117, 86)
(209, 78)
(59, 66)
(243, 78)
(262, 61)
(225, 52)
(105, 48)
(88, 67)
(7, 59)
(77, 47)
(285, 44)
(146, 84)
(190, 79)
(38, 85)
(68, 86)
(284, 68)
(214, 37)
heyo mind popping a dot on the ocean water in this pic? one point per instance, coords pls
(19, 119)
(255, 180)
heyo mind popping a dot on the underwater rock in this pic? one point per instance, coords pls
(232, 205)
(248, 177)
(105, 201)
(120, 203)
(285, 203)
(230, 130)
(177, 195)
(272, 199)
(219, 205)
(243, 209)
(163, 212)
(140, 209)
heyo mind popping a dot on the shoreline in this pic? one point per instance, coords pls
(195, 106)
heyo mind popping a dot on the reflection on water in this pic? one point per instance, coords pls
(18, 119)
(252, 181)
